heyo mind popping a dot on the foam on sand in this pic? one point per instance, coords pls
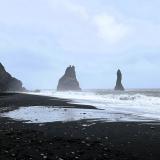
(41, 114)
(116, 106)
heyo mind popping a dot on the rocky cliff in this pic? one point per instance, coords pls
(69, 82)
(119, 85)
(9, 83)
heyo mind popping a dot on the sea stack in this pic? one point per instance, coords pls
(9, 83)
(69, 82)
(119, 85)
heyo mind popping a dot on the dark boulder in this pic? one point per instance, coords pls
(9, 83)
(119, 85)
(69, 82)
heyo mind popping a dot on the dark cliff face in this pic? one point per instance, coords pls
(9, 83)
(69, 82)
(119, 85)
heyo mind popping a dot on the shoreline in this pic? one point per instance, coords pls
(73, 140)
(16, 100)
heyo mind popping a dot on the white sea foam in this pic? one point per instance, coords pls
(117, 106)
(39, 114)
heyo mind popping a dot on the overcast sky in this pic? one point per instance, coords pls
(40, 38)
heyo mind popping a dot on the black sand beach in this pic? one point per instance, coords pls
(73, 140)
(15, 100)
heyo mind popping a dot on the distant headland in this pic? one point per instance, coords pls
(9, 83)
(68, 82)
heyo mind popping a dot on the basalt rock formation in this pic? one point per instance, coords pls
(119, 85)
(69, 82)
(9, 83)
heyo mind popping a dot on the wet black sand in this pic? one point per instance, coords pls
(15, 100)
(76, 140)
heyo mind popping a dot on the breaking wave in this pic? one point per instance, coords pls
(143, 103)
(135, 105)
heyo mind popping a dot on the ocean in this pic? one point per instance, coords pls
(113, 106)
